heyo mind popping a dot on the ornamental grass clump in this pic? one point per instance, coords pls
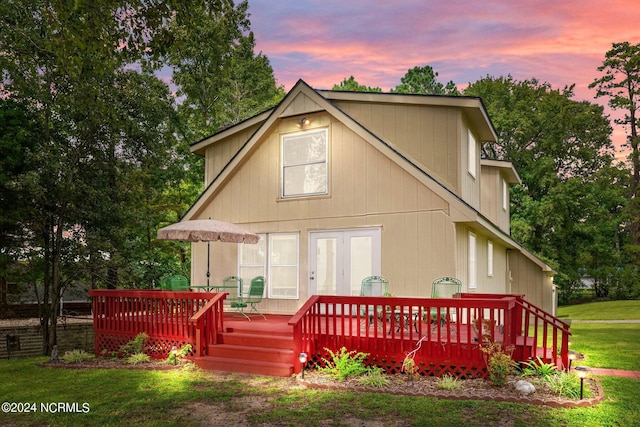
(343, 364)
(138, 358)
(499, 361)
(566, 385)
(77, 356)
(450, 383)
(375, 378)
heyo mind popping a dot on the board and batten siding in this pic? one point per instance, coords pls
(220, 153)
(366, 189)
(429, 135)
(492, 193)
(537, 287)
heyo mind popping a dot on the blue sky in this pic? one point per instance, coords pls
(324, 41)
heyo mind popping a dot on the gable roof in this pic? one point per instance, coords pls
(302, 99)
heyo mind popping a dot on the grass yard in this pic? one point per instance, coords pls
(605, 310)
(191, 398)
(605, 345)
(185, 397)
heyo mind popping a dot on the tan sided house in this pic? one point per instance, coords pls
(343, 185)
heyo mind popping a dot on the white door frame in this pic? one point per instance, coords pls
(343, 255)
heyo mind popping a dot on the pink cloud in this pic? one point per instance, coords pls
(560, 42)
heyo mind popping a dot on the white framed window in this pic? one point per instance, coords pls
(283, 265)
(473, 262)
(252, 261)
(472, 153)
(490, 258)
(304, 163)
(505, 194)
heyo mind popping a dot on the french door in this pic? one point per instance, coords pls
(340, 259)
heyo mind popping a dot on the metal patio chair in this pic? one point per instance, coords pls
(256, 291)
(233, 286)
(444, 287)
(373, 286)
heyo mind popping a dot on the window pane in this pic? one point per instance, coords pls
(283, 265)
(473, 263)
(361, 248)
(284, 282)
(305, 147)
(305, 179)
(284, 249)
(489, 259)
(248, 273)
(253, 254)
(326, 274)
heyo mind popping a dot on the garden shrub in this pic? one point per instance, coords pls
(134, 346)
(499, 361)
(344, 364)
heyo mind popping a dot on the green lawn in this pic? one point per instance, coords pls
(606, 310)
(191, 397)
(187, 398)
(605, 345)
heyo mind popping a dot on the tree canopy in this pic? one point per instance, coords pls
(424, 81)
(569, 207)
(95, 142)
(351, 85)
(621, 84)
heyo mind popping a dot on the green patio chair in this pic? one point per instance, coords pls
(256, 291)
(373, 286)
(444, 287)
(165, 283)
(233, 286)
(179, 283)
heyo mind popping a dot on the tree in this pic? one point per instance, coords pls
(98, 124)
(220, 80)
(351, 85)
(621, 84)
(568, 209)
(423, 81)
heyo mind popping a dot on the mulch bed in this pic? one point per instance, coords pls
(476, 389)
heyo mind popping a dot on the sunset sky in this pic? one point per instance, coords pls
(325, 41)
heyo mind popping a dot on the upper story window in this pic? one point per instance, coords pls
(505, 194)
(304, 163)
(471, 156)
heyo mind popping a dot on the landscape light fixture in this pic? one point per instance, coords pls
(572, 357)
(582, 371)
(303, 122)
(302, 357)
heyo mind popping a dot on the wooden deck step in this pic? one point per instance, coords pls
(273, 369)
(260, 348)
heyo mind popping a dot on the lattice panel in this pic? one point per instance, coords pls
(158, 348)
(390, 366)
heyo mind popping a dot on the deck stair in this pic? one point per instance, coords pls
(253, 347)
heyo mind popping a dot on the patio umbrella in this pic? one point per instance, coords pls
(207, 230)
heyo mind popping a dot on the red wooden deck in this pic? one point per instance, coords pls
(447, 341)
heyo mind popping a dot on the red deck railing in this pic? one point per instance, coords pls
(120, 315)
(440, 335)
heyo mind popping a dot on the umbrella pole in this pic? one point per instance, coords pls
(208, 258)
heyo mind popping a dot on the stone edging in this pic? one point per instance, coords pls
(555, 403)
